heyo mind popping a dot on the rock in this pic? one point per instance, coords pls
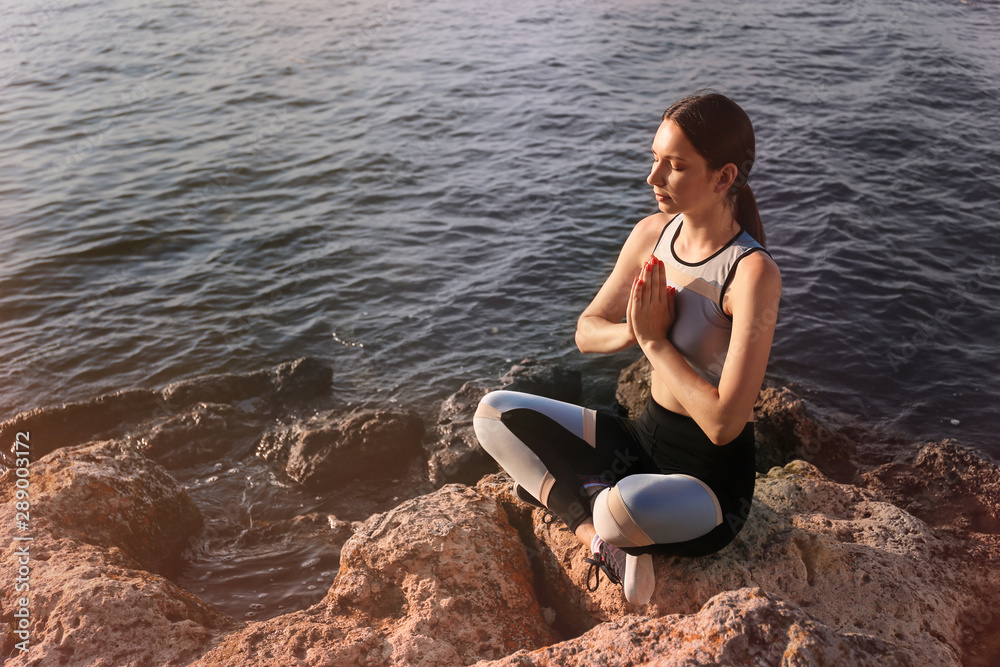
(72, 424)
(633, 387)
(114, 415)
(301, 380)
(101, 517)
(455, 455)
(298, 380)
(202, 434)
(554, 588)
(440, 580)
(545, 379)
(112, 497)
(808, 540)
(785, 432)
(901, 571)
(743, 627)
(330, 447)
(947, 485)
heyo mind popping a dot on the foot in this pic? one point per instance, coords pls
(634, 573)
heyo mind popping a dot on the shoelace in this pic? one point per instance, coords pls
(605, 562)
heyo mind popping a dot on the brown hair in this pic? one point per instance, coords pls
(722, 133)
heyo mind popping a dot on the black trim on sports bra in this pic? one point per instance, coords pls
(707, 259)
(664, 231)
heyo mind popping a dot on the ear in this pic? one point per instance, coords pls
(726, 177)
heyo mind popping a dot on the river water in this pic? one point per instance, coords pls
(423, 193)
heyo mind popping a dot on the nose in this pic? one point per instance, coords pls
(657, 175)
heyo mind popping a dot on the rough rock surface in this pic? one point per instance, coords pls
(331, 447)
(455, 454)
(946, 485)
(807, 540)
(743, 627)
(898, 568)
(633, 392)
(103, 520)
(440, 580)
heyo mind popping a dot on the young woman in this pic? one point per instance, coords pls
(694, 288)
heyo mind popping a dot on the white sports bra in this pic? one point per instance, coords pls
(701, 329)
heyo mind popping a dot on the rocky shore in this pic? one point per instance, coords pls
(860, 548)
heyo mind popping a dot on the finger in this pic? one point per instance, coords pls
(630, 305)
(642, 289)
(671, 295)
(654, 281)
(660, 279)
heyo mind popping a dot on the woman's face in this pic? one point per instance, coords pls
(681, 179)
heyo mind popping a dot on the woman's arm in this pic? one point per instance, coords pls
(600, 327)
(753, 297)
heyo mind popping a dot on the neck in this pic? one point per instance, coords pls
(708, 230)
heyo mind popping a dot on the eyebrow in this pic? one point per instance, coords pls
(671, 157)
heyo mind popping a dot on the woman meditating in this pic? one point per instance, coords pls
(695, 289)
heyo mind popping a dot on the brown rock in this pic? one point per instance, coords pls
(946, 485)
(101, 517)
(109, 496)
(72, 424)
(455, 456)
(331, 447)
(633, 387)
(544, 379)
(785, 432)
(440, 580)
(743, 627)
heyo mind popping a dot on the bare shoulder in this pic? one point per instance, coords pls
(652, 224)
(758, 269)
(646, 232)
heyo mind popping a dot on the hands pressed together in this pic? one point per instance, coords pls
(650, 311)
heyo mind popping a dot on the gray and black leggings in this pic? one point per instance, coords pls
(655, 484)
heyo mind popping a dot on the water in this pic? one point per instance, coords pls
(423, 193)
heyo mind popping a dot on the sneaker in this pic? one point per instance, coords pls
(633, 573)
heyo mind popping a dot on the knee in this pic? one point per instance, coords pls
(487, 424)
(646, 509)
(615, 523)
(495, 403)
